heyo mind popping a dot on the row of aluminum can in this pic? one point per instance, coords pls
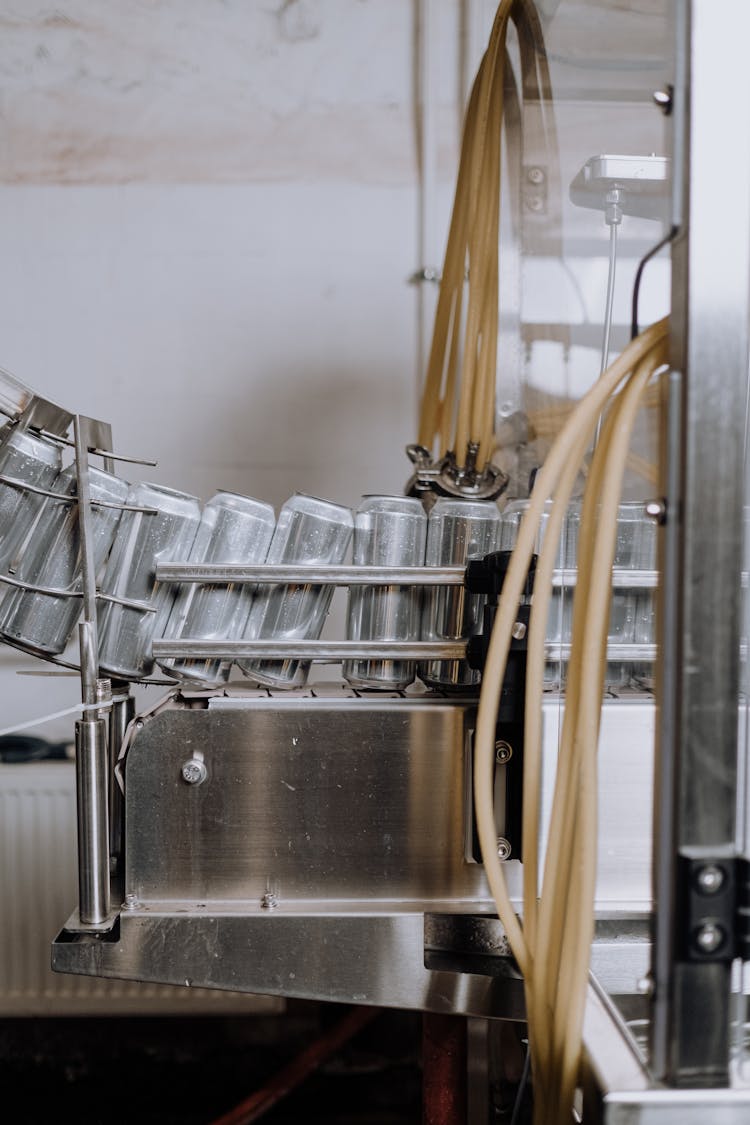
(134, 527)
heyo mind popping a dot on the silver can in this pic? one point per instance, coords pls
(632, 531)
(560, 615)
(457, 530)
(29, 458)
(44, 623)
(309, 531)
(233, 529)
(388, 531)
(165, 533)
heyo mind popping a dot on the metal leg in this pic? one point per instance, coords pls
(444, 1097)
(93, 821)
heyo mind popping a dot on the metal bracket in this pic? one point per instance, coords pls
(446, 478)
(708, 906)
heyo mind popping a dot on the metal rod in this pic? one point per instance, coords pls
(314, 575)
(333, 651)
(88, 628)
(93, 821)
(121, 713)
(368, 575)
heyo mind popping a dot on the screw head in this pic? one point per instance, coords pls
(503, 752)
(657, 510)
(645, 986)
(709, 937)
(709, 879)
(536, 175)
(503, 848)
(518, 632)
(663, 98)
(535, 203)
(194, 772)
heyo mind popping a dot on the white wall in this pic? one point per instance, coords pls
(209, 212)
(208, 216)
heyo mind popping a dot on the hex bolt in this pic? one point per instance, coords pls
(536, 175)
(503, 752)
(131, 901)
(503, 848)
(664, 99)
(269, 901)
(194, 772)
(709, 937)
(657, 510)
(709, 879)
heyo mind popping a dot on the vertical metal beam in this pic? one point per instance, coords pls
(702, 548)
(92, 762)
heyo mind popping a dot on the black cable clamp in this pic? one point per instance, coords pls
(487, 576)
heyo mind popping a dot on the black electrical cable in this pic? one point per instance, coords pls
(516, 1115)
(639, 276)
(16, 748)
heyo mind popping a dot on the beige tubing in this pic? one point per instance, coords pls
(585, 415)
(457, 407)
(557, 475)
(562, 952)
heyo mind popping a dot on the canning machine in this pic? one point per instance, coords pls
(277, 832)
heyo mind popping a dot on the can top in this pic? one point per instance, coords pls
(103, 485)
(400, 505)
(34, 445)
(236, 502)
(314, 506)
(446, 506)
(166, 499)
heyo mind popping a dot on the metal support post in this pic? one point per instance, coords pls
(701, 549)
(93, 822)
(92, 761)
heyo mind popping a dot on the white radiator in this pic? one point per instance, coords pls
(38, 892)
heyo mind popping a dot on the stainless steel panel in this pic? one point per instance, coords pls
(362, 958)
(330, 800)
(364, 955)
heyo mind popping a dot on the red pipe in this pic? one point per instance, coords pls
(444, 1072)
(294, 1073)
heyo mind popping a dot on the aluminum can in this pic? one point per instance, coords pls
(310, 531)
(41, 622)
(457, 530)
(233, 529)
(560, 615)
(28, 457)
(632, 551)
(163, 534)
(388, 531)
